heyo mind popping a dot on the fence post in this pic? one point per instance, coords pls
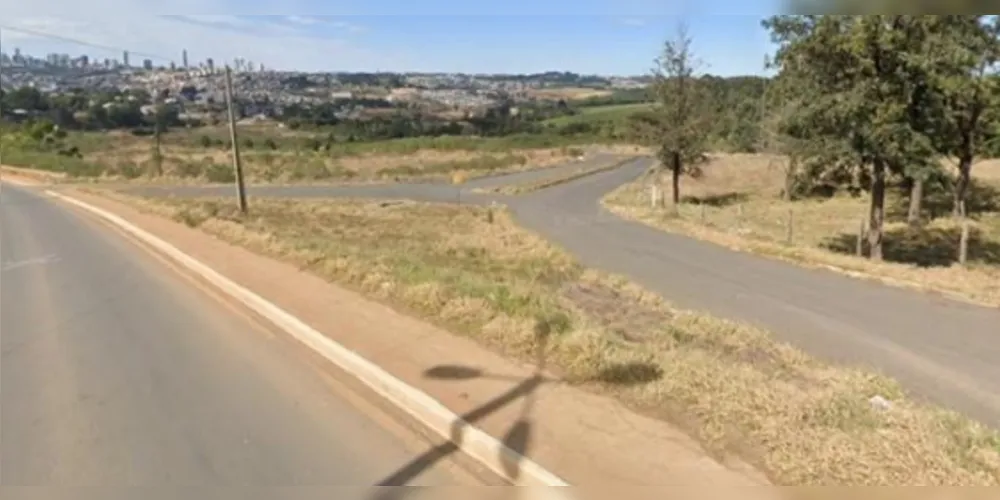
(859, 248)
(963, 242)
(790, 230)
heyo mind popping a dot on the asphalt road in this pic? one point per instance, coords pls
(941, 350)
(118, 372)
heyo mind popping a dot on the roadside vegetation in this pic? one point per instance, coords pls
(737, 202)
(274, 155)
(473, 271)
(876, 133)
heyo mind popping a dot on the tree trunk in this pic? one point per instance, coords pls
(675, 168)
(916, 199)
(962, 185)
(876, 213)
(793, 163)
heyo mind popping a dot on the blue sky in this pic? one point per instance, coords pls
(586, 36)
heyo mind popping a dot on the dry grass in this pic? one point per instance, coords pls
(290, 167)
(737, 204)
(569, 93)
(733, 386)
(275, 155)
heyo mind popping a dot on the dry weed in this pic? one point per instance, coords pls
(568, 93)
(802, 421)
(128, 158)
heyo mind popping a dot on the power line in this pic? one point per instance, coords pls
(82, 42)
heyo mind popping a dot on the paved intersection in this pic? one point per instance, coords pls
(943, 350)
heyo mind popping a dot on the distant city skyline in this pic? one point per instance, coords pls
(604, 44)
(18, 57)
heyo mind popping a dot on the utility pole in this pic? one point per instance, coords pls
(241, 192)
(157, 134)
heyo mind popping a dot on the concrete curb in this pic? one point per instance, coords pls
(475, 443)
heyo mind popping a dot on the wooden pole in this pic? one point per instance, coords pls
(790, 235)
(157, 140)
(237, 165)
(859, 249)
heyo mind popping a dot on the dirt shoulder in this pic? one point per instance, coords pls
(30, 175)
(586, 438)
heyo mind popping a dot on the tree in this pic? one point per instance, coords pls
(781, 130)
(26, 98)
(968, 91)
(678, 126)
(867, 82)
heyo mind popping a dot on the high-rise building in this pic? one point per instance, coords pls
(184, 58)
(211, 65)
(147, 64)
(125, 58)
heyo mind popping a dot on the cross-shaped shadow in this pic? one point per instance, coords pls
(517, 438)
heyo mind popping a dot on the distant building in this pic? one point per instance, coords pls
(184, 58)
(211, 65)
(125, 58)
(147, 64)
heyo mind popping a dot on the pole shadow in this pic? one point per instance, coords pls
(517, 438)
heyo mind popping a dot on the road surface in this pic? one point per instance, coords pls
(941, 350)
(118, 372)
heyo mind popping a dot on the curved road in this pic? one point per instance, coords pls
(116, 372)
(942, 350)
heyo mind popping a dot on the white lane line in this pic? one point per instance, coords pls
(37, 261)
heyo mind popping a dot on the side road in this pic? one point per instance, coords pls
(584, 438)
(940, 349)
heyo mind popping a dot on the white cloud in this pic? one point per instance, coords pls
(633, 21)
(276, 41)
(304, 20)
(321, 21)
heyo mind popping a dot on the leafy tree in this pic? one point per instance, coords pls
(868, 84)
(26, 98)
(967, 91)
(782, 131)
(679, 124)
